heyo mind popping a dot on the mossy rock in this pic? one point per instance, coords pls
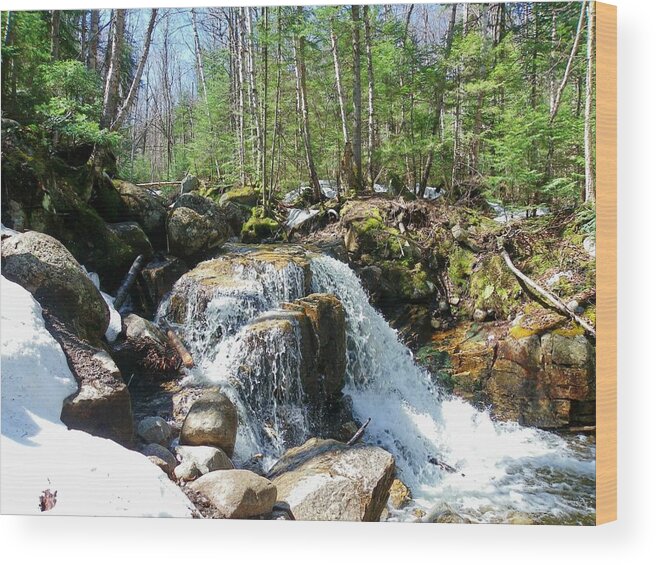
(461, 266)
(243, 195)
(403, 283)
(535, 321)
(259, 228)
(494, 288)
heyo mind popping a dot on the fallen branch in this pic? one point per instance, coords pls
(160, 183)
(547, 295)
(127, 283)
(183, 352)
(356, 437)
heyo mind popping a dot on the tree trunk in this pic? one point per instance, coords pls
(568, 69)
(357, 97)
(301, 90)
(370, 98)
(338, 81)
(276, 118)
(136, 81)
(589, 83)
(92, 52)
(55, 20)
(254, 97)
(110, 98)
(439, 102)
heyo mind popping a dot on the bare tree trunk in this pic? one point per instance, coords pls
(83, 35)
(357, 97)
(240, 74)
(301, 90)
(92, 53)
(203, 82)
(265, 107)
(276, 119)
(439, 103)
(568, 69)
(338, 80)
(589, 82)
(370, 98)
(110, 98)
(254, 97)
(55, 20)
(136, 81)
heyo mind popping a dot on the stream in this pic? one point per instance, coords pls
(501, 469)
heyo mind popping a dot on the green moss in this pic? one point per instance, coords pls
(407, 283)
(259, 227)
(373, 222)
(570, 330)
(493, 287)
(244, 195)
(461, 266)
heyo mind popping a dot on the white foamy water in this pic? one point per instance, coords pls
(501, 468)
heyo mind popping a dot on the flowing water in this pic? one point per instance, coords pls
(501, 469)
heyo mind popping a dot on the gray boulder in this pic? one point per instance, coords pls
(189, 184)
(154, 430)
(205, 459)
(160, 274)
(145, 207)
(134, 237)
(156, 450)
(43, 266)
(212, 420)
(196, 226)
(237, 493)
(327, 480)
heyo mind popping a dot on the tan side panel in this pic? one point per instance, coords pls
(606, 148)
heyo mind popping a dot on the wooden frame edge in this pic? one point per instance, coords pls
(606, 256)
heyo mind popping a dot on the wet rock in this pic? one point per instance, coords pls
(237, 493)
(162, 464)
(327, 318)
(399, 494)
(196, 226)
(212, 420)
(134, 237)
(241, 276)
(160, 275)
(154, 430)
(206, 459)
(43, 266)
(145, 207)
(326, 480)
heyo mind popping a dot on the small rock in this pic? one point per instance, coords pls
(399, 494)
(573, 305)
(454, 300)
(212, 420)
(187, 471)
(459, 233)
(436, 323)
(163, 465)
(443, 306)
(206, 459)
(520, 519)
(156, 450)
(590, 246)
(189, 183)
(479, 315)
(154, 430)
(237, 493)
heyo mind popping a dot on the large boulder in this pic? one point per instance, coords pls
(134, 237)
(43, 266)
(145, 207)
(236, 493)
(102, 405)
(328, 480)
(244, 196)
(196, 226)
(154, 430)
(212, 420)
(244, 277)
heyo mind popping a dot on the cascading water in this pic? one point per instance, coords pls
(501, 468)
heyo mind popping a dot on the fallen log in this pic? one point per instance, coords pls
(356, 437)
(160, 183)
(127, 283)
(183, 352)
(547, 295)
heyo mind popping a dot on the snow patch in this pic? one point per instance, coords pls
(91, 475)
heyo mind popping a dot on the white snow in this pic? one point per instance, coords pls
(92, 476)
(298, 216)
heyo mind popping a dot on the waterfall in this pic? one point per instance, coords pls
(500, 467)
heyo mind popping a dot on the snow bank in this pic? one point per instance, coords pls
(92, 476)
